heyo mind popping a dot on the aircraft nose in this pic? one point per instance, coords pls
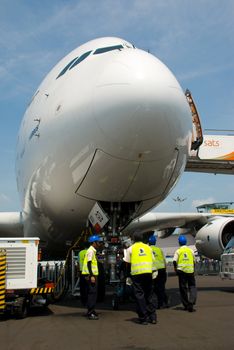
(139, 106)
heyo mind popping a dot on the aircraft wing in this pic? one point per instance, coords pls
(11, 224)
(215, 155)
(166, 223)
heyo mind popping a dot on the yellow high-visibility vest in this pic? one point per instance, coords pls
(94, 264)
(159, 262)
(185, 261)
(141, 259)
(82, 254)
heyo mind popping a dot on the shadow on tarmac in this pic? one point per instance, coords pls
(125, 303)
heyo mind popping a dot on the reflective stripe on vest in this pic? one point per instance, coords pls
(141, 259)
(185, 261)
(82, 254)
(94, 265)
(159, 262)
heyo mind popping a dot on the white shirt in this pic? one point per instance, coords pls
(90, 253)
(127, 254)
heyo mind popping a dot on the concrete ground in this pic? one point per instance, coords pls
(63, 326)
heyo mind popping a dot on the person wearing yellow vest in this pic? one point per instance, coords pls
(184, 263)
(83, 284)
(90, 271)
(159, 265)
(139, 259)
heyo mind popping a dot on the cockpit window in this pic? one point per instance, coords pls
(77, 60)
(108, 48)
(80, 59)
(66, 68)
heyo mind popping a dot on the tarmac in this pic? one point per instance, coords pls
(63, 326)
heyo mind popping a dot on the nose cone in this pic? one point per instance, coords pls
(139, 106)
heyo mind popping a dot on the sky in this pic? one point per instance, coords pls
(195, 39)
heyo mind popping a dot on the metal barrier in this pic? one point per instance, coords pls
(53, 271)
(208, 267)
(202, 267)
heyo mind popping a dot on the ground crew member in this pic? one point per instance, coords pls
(184, 264)
(139, 259)
(90, 271)
(159, 265)
(83, 284)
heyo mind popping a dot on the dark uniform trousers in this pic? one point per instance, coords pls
(83, 290)
(187, 285)
(159, 287)
(143, 292)
(91, 295)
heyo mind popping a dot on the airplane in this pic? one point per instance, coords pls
(211, 231)
(109, 124)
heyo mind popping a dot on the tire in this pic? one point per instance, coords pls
(21, 310)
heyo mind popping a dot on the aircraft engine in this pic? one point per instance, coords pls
(212, 238)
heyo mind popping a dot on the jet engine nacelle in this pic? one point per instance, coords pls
(212, 238)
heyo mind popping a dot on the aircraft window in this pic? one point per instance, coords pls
(80, 59)
(106, 49)
(77, 60)
(66, 68)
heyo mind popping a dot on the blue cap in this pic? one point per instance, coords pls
(152, 239)
(182, 240)
(94, 238)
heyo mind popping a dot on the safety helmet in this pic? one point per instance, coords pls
(94, 238)
(182, 240)
(152, 239)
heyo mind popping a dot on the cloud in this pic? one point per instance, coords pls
(4, 199)
(34, 37)
(16, 80)
(204, 71)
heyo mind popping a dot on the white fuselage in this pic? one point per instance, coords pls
(116, 127)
